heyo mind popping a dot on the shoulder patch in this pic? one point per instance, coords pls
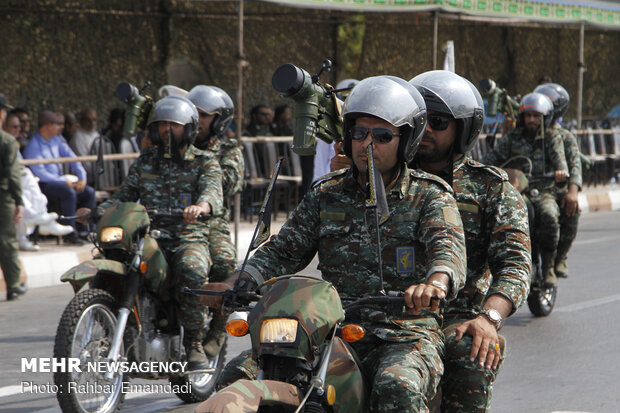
(494, 170)
(328, 177)
(416, 173)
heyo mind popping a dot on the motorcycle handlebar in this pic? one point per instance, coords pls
(175, 213)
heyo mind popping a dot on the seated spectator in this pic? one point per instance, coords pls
(283, 121)
(114, 130)
(24, 121)
(68, 192)
(71, 125)
(261, 117)
(86, 132)
(35, 203)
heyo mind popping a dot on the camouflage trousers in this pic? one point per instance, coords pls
(568, 230)
(546, 222)
(190, 263)
(222, 250)
(465, 386)
(403, 376)
(9, 259)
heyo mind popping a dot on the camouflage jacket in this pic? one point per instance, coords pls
(571, 149)
(10, 172)
(422, 235)
(164, 185)
(497, 235)
(515, 143)
(228, 154)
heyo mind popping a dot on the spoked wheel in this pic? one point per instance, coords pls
(85, 332)
(197, 387)
(541, 300)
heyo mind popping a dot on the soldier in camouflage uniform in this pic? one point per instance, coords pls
(566, 198)
(423, 248)
(526, 140)
(171, 175)
(11, 209)
(215, 110)
(497, 236)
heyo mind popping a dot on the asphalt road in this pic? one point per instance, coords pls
(567, 362)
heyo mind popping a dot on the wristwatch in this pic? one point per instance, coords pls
(493, 316)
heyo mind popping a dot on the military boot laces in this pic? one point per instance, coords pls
(197, 359)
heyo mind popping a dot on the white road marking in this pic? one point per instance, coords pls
(10, 390)
(588, 304)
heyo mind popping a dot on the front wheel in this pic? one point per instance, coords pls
(541, 300)
(85, 332)
(197, 387)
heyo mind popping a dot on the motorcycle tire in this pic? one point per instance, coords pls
(541, 301)
(85, 331)
(201, 385)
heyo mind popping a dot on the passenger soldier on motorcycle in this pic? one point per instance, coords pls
(567, 198)
(497, 236)
(173, 174)
(533, 138)
(215, 112)
(423, 249)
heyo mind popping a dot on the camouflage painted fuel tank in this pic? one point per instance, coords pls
(316, 305)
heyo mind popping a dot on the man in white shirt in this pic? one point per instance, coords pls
(86, 132)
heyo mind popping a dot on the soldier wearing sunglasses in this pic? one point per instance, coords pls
(496, 232)
(422, 246)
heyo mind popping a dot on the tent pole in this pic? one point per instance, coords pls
(240, 64)
(582, 69)
(435, 30)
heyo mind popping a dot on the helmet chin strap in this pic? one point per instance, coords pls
(171, 149)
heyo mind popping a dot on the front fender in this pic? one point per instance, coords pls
(87, 270)
(245, 396)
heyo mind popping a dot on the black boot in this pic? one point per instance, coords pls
(216, 336)
(197, 360)
(14, 293)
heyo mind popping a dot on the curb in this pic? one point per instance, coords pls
(599, 201)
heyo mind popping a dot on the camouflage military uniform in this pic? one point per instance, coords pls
(223, 252)
(568, 225)
(547, 212)
(10, 197)
(401, 355)
(498, 262)
(164, 185)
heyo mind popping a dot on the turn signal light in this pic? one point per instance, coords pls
(352, 333)
(143, 267)
(331, 395)
(237, 328)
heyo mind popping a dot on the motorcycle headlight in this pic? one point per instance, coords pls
(279, 330)
(111, 234)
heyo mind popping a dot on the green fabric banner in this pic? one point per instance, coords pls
(599, 13)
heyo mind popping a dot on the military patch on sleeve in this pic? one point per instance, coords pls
(449, 215)
(186, 199)
(405, 260)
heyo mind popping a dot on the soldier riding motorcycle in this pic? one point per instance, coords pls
(129, 311)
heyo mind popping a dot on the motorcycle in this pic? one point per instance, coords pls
(302, 348)
(123, 321)
(541, 298)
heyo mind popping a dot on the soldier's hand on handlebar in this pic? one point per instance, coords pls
(214, 301)
(561, 176)
(420, 296)
(192, 212)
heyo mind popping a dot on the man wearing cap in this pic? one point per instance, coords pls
(46, 144)
(11, 209)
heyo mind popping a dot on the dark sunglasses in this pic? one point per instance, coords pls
(439, 122)
(379, 135)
